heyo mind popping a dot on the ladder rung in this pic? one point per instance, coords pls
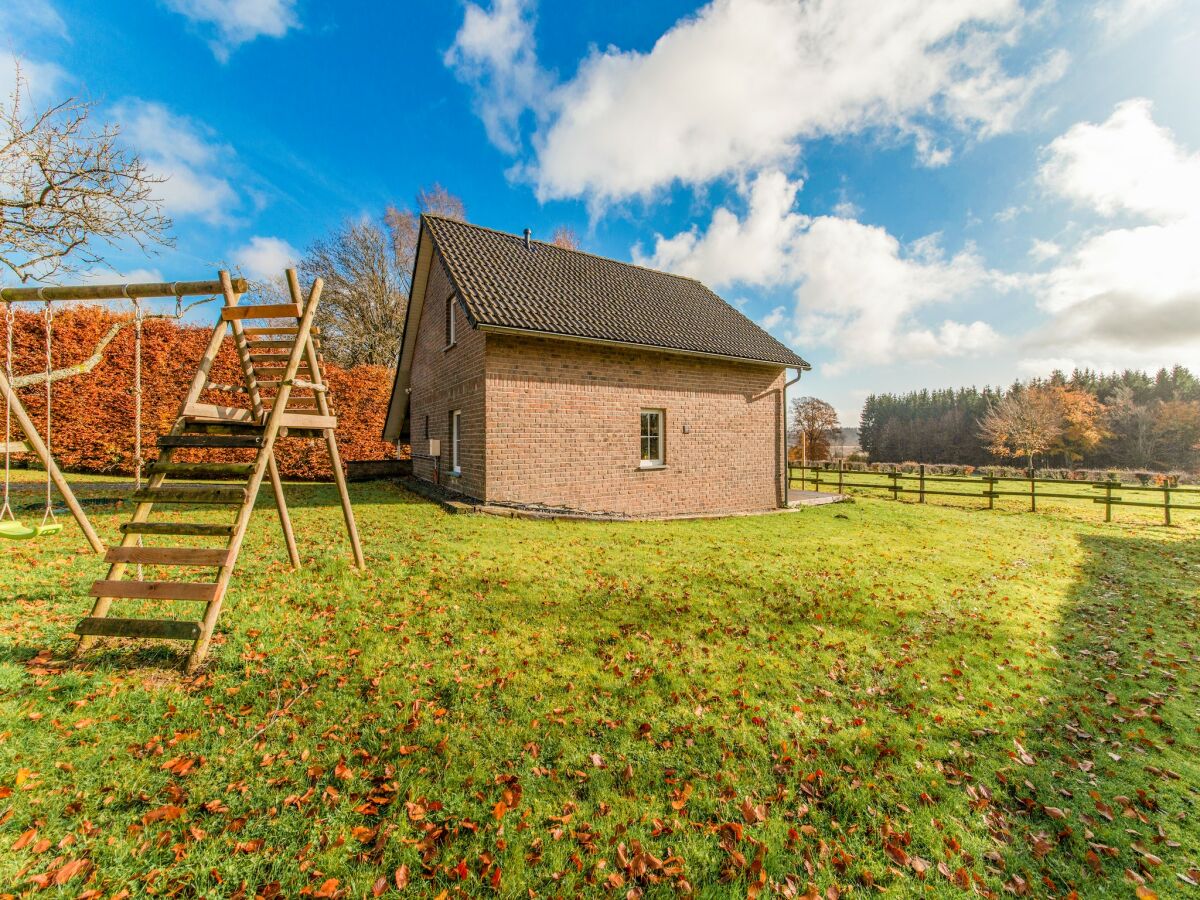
(303, 420)
(218, 413)
(281, 358)
(262, 311)
(194, 529)
(192, 493)
(168, 556)
(277, 330)
(155, 590)
(169, 629)
(202, 470)
(281, 344)
(211, 440)
(208, 426)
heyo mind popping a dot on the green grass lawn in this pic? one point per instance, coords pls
(873, 695)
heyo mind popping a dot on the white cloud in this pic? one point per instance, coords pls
(32, 17)
(184, 152)
(264, 259)
(238, 22)
(1127, 164)
(494, 52)
(1044, 250)
(741, 84)
(1120, 18)
(857, 289)
(1125, 295)
(113, 275)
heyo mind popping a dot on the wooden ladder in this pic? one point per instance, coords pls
(282, 378)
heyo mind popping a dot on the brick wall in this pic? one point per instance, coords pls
(444, 379)
(563, 429)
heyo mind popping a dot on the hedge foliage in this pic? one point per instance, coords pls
(93, 414)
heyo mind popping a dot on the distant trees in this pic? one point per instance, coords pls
(367, 267)
(815, 425)
(1127, 419)
(565, 237)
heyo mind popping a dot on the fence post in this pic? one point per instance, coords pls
(921, 496)
(1032, 492)
(816, 479)
(840, 464)
(991, 480)
(1167, 503)
(1108, 501)
(895, 484)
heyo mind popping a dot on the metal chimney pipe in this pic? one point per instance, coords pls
(527, 233)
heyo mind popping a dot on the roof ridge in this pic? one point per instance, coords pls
(553, 246)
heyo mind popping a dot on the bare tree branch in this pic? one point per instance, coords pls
(67, 192)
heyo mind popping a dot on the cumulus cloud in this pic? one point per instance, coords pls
(237, 22)
(41, 81)
(740, 85)
(1120, 18)
(1126, 294)
(494, 51)
(32, 17)
(263, 259)
(857, 289)
(1127, 164)
(185, 152)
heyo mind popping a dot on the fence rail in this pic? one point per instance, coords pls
(1165, 496)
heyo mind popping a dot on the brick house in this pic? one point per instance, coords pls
(535, 375)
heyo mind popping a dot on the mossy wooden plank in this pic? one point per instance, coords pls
(192, 529)
(155, 590)
(167, 629)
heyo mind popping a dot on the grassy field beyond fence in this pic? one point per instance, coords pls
(1166, 498)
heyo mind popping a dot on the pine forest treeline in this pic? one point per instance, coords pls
(1129, 419)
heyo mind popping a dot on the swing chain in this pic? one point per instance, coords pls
(48, 515)
(9, 320)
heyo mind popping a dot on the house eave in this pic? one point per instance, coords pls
(653, 348)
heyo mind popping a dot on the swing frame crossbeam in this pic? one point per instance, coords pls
(75, 293)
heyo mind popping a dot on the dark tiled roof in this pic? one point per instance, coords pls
(553, 290)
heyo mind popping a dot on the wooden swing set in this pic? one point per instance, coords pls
(286, 397)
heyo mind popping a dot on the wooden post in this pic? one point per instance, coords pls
(841, 468)
(43, 453)
(921, 496)
(1167, 502)
(1108, 489)
(335, 458)
(895, 476)
(816, 479)
(1032, 492)
(991, 480)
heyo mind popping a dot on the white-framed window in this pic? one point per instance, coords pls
(652, 422)
(455, 430)
(451, 335)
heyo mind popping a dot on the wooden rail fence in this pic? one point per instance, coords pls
(1163, 496)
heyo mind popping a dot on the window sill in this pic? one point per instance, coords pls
(652, 467)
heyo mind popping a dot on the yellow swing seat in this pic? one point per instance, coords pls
(15, 531)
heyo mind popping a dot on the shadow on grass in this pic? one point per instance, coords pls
(1105, 795)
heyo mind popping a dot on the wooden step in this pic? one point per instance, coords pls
(253, 441)
(156, 590)
(212, 411)
(203, 470)
(193, 529)
(208, 426)
(167, 556)
(169, 629)
(192, 493)
(303, 420)
(261, 311)
(278, 330)
(281, 344)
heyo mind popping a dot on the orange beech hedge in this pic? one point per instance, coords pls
(93, 427)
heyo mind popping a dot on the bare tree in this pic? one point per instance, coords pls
(565, 237)
(1023, 423)
(66, 190)
(815, 424)
(367, 268)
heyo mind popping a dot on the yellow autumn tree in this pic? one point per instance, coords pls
(1082, 427)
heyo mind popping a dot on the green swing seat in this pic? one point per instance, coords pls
(16, 531)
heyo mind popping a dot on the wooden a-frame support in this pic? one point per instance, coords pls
(204, 425)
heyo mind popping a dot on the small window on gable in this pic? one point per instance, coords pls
(652, 455)
(451, 335)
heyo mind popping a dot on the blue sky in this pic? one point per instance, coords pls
(918, 193)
